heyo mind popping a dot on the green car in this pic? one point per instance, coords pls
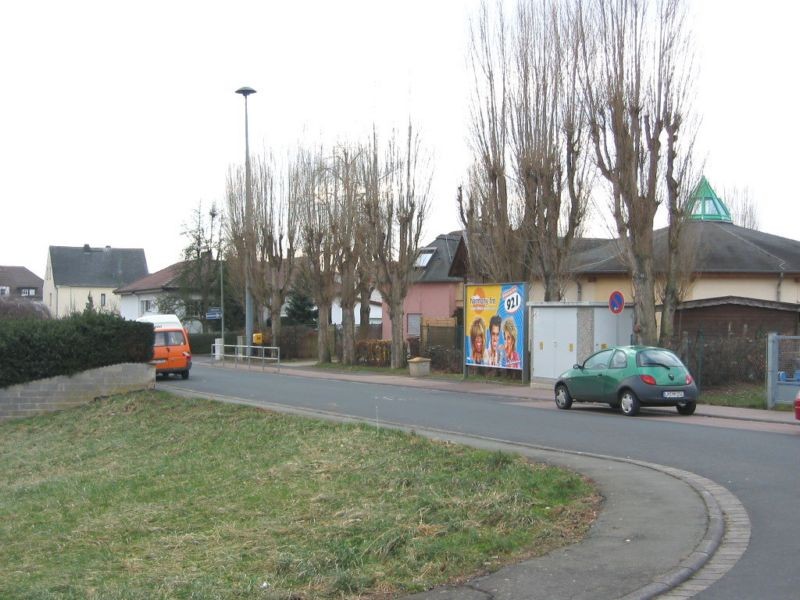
(627, 378)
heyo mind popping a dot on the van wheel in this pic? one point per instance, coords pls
(184, 374)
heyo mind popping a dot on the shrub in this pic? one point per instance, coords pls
(31, 350)
(375, 353)
(445, 358)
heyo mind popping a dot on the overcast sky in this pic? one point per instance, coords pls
(117, 119)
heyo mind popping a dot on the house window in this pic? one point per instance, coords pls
(424, 257)
(102, 299)
(5, 290)
(27, 292)
(414, 323)
(145, 306)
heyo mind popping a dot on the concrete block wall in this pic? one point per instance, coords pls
(57, 393)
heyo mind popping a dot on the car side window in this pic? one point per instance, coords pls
(598, 361)
(619, 360)
(160, 339)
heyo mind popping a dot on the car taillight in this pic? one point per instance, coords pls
(187, 355)
(689, 379)
(648, 379)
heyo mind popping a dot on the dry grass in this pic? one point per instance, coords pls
(151, 496)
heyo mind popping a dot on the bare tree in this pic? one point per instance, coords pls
(199, 276)
(346, 205)
(636, 93)
(493, 241)
(549, 137)
(277, 229)
(237, 231)
(744, 211)
(313, 195)
(397, 184)
(527, 112)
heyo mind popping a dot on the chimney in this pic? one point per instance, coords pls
(87, 248)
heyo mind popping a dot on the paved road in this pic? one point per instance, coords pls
(761, 468)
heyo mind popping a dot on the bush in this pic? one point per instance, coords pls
(31, 350)
(200, 343)
(445, 358)
(375, 353)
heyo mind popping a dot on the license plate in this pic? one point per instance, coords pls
(673, 394)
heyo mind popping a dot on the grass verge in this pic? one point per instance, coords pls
(153, 496)
(741, 395)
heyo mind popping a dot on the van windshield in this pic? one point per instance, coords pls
(169, 338)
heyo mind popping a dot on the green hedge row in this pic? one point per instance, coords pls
(31, 350)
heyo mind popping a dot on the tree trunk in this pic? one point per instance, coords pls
(644, 296)
(398, 343)
(276, 304)
(323, 339)
(348, 335)
(364, 310)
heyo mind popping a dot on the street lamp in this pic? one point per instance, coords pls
(248, 215)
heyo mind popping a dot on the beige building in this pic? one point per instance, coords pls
(736, 280)
(74, 274)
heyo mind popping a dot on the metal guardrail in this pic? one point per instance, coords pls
(243, 354)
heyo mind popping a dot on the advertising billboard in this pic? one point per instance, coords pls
(494, 325)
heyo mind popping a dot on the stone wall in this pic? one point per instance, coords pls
(57, 393)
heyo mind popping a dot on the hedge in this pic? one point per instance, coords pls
(31, 350)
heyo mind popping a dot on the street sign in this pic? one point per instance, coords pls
(616, 302)
(213, 313)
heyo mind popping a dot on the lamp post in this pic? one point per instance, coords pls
(248, 215)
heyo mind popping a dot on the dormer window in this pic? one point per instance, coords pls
(424, 257)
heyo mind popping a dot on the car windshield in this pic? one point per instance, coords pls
(657, 358)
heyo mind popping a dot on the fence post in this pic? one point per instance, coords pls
(772, 368)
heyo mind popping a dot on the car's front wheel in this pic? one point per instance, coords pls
(629, 403)
(686, 408)
(563, 399)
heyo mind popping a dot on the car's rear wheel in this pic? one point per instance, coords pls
(184, 374)
(563, 398)
(629, 403)
(686, 408)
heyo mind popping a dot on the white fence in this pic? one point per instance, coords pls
(783, 369)
(246, 355)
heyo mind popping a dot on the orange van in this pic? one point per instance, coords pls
(171, 352)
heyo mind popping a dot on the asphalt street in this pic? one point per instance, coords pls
(757, 463)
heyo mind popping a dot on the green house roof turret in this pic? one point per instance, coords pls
(705, 205)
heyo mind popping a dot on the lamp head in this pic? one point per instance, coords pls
(245, 91)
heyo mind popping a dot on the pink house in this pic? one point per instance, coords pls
(435, 294)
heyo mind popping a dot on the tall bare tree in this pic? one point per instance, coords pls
(315, 188)
(239, 232)
(527, 113)
(346, 205)
(494, 243)
(397, 183)
(636, 93)
(277, 230)
(548, 129)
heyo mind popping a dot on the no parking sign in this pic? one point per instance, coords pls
(616, 302)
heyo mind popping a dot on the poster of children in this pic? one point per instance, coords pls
(495, 325)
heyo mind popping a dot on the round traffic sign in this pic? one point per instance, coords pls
(616, 302)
